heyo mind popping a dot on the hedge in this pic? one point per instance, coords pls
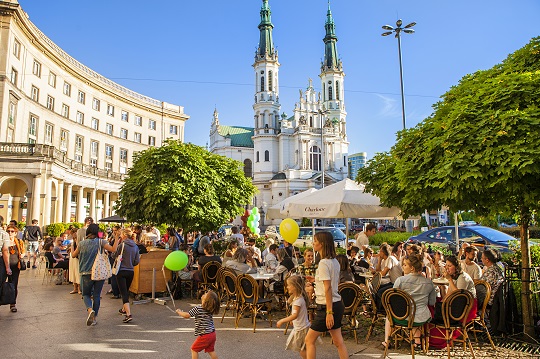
(390, 237)
(56, 229)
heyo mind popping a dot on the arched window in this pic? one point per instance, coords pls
(270, 80)
(248, 168)
(337, 90)
(330, 95)
(315, 158)
(262, 83)
(257, 157)
(267, 156)
(324, 91)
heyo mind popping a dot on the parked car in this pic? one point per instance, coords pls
(338, 225)
(386, 228)
(476, 235)
(305, 238)
(225, 230)
(357, 228)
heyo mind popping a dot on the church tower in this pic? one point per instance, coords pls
(266, 105)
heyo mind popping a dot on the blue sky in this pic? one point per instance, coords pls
(198, 54)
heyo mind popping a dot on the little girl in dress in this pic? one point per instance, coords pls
(299, 315)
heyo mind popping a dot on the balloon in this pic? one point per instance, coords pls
(258, 217)
(289, 230)
(254, 210)
(176, 260)
(257, 231)
(250, 223)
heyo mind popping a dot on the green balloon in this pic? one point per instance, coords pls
(254, 210)
(176, 261)
(250, 223)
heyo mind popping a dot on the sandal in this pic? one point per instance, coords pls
(13, 308)
(73, 292)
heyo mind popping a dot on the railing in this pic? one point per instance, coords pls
(52, 154)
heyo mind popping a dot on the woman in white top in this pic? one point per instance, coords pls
(329, 305)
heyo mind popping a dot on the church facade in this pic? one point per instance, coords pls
(287, 155)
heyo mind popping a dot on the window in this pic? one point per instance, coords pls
(52, 79)
(109, 129)
(137, 137)
(151, 124)
(108, 166)
(12, 112)
(94, 149)
(80, 118)
(262, 83)
(110, 110)
(78, 148)
(248, 168)
(124, 133)
(151, 141)
(95, 104)
(330, 95)
(50, 102)
(81, 97)
(14, 76)
(36, 69)
(270, 80)
(315, 158)
(337, 90)
(94, 123)
(64, 140)
(17, 49)
(124, 116)
(257, 157)
(93, 162)
(32, 130)
(173, 129)
(138, 121)
(34, 93)
(65, 110)
(67, 89)
(108, 152)
(123, 155)
(266, 156)
(49, 133)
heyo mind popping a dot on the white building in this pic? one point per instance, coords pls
(67, 134)
(287, 155)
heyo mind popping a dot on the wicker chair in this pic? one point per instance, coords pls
(209, 274)
(483, 293)
(248, 298)
(352, 296)
(231, 290)
(372, 311)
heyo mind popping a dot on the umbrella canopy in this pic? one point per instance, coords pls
(113, 219)
(275, 211)
(345, 199)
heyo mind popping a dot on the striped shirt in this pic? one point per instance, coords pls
(204, 324)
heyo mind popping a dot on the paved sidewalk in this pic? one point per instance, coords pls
(51, 323)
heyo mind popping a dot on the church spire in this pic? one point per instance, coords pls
(331, 60)
(266, 44)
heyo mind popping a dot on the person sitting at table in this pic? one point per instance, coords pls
(345, 273)
(209, 256)
(469, 265)
(390, 270)
(421, 290)
(285, 264)
(308, 268)
(437, 266)
(57, 253)
(231, 249)
(267, 243)
(492, 274)
(352, 254)
(238, 262)
(271, 260)
(365, 261)
(254, 255)
(250, 243)
(52, 262)
(187, 273)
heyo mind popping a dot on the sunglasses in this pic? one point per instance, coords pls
(12, 231)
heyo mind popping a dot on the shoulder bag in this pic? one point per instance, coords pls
(118, 261)
(101, 269)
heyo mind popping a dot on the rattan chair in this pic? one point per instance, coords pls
(248, 298)
(209, 273)
(221, 292)
(376, 282)
(228, 278)
(483, 293)
(376, 314)
(352, 296)
(455, 310)
(400, 311)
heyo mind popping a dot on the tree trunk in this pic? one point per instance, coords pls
(528, 322)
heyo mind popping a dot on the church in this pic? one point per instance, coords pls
(287, 155)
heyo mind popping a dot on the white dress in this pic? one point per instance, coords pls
(297, 338)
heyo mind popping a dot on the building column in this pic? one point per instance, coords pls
(81, 212)
(93, 204)
(106, 204)
(47, 203)
(59, 202)
(36, 199)
(67, 203)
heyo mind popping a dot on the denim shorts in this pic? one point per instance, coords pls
(32, 247)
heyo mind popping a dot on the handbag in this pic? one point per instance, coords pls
(118, 261)
(101, 269)
(22, 263)
(8, 293)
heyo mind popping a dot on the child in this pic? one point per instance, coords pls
(204, 324)
(299, 315)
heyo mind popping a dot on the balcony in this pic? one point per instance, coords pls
(51, 154)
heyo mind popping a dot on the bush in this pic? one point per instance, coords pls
(56, 229)
(515, 256)
(390, 237)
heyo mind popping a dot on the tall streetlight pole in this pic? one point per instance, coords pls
(321, 113)
(407, 29)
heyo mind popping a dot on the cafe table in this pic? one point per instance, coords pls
(440, 281)
(264, 281)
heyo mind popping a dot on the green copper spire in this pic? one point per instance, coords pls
(331, 60)
(266, 45)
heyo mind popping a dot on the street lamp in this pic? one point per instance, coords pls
(397, 30)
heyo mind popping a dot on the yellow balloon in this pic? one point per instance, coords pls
(289, 230)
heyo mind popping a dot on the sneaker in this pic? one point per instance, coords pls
(127, 319)
(115, 297)
(122, 311)
(94, 323)
(91, 318)
(34, 267)
(28, 264)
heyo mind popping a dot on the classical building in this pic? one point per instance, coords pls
(67, 134)
(286, 155)
(356, 161)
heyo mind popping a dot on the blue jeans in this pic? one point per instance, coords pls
(91, 292)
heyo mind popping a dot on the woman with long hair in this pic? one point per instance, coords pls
(16, 252)
(329, 305)
(130, 258)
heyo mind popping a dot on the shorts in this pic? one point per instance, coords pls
(206, 342)
(319, 322)
(32, 247)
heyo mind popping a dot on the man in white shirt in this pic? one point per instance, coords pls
(469, 265)
(239, 237)
(271, 260)
(362, 238)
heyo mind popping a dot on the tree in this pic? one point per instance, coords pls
(184, 185)
(479, 150)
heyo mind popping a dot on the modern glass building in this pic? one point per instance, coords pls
(356, 161)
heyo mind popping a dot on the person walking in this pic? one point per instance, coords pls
(16, 253)
(130, 258)
(32, 235)
(5, 269)
(86, 251)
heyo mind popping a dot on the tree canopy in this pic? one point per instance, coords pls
(184, 185)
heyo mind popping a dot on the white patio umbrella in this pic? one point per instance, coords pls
(275, 211)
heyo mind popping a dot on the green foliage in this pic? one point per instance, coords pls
(306, 222)
(21, 226)
(184, 185)
(56, 229)
(534, 232)
(390, 237)
(423, 222)
(515, 256)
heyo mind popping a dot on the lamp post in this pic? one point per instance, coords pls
(397, 30)
(321, 113)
